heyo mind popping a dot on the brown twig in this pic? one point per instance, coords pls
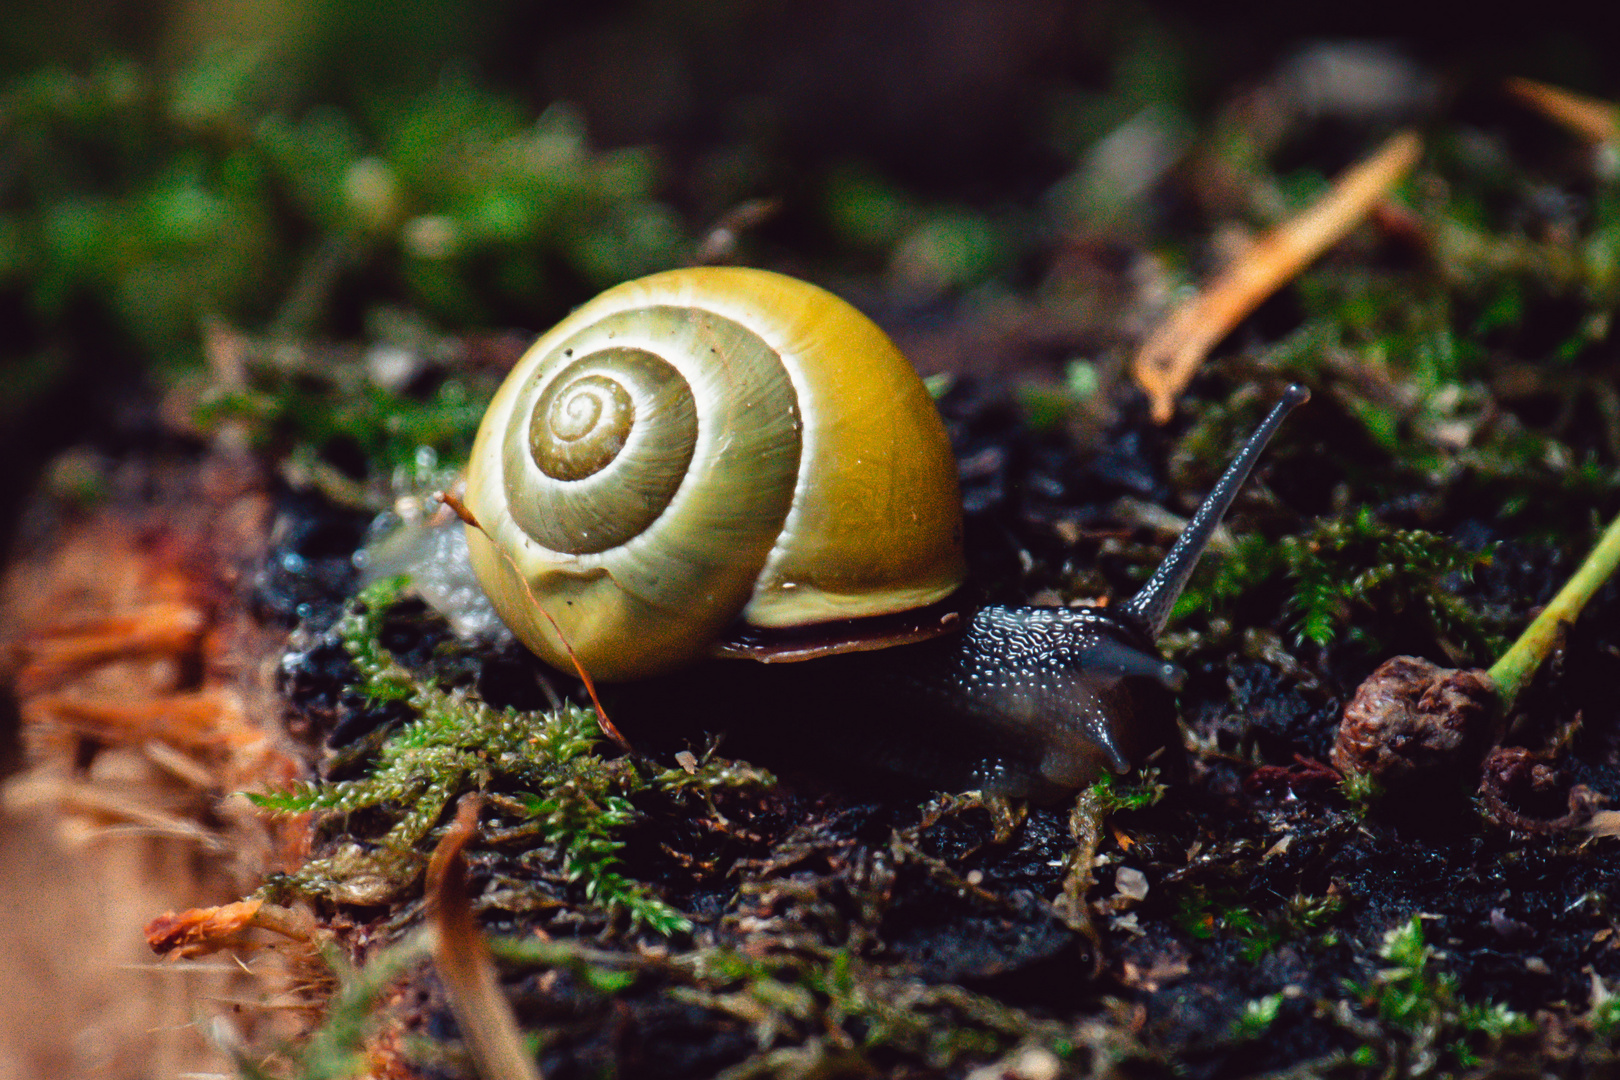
(1171, 355)
(1593, 119)
(487, 1024)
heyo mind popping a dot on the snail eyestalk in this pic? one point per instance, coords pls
(1513, 672)
(1153, 602)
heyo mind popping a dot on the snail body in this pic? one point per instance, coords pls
(733, 463)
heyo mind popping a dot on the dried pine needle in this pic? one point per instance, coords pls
(1593, 119)
(487, 1024)
(1171, 355)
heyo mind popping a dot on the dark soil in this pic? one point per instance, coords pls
(1257, 833)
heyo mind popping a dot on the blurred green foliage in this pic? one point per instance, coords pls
(339, 421)
(167, 201)
(1484, 366)
(930, 248)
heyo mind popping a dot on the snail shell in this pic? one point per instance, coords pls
(705, 447)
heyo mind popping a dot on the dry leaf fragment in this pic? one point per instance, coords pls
(1172, 353)
(192, 720)
(198, 931)
(57, 653)
(488, 1027)
(1603, 823)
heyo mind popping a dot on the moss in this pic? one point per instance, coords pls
(1215, 914)
(1424, 1021)
(1136, 792)
(1256, 1019)
(839, 1004)
(325, 412)
(549, 787)
(808, 1014)
(1360, 790)
(1603, 1013)
(1355, 578)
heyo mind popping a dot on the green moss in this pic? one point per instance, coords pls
(550, 789)
(814, 1012)
(1256, 1019)
(1347, 577)
(1603, 1013)
(1136, 792)
(1214, 915)
(312, 416)
(1397, 572)
(1360, 790)
(1426, 1023)
(839, 1004)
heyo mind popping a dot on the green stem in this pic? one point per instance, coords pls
(1513, 671)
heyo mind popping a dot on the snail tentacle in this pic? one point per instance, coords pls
(1153, 602)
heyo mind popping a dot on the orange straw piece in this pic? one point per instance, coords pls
(1171, 355)
(1591, 118)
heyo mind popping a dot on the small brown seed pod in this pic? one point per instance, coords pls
(1414, 723)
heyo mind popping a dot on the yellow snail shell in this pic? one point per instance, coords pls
(703, 447)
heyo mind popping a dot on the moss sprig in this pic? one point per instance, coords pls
(1396, 571)
(811, 1014)
(332, 406)
(1429, 1025)
(543, 768)
(582, 817)
(1205, 916)
(1338, 570)
(1137, 792)
(842, 1008)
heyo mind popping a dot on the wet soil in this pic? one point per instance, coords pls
(1261, 878)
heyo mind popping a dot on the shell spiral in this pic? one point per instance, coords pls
(701, 447)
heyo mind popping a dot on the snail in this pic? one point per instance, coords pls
(724, 462)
